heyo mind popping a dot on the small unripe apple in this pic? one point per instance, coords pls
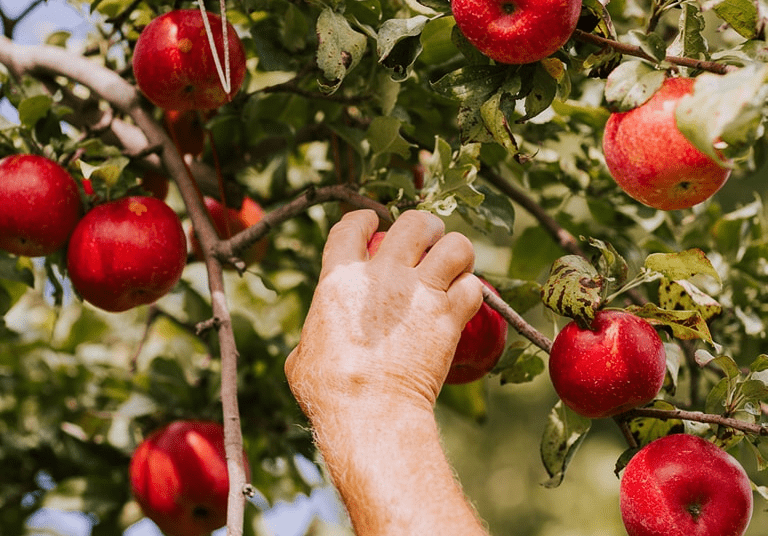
(39, 205)
(683, 485)
(617, 364)
(516, 31)
(651, 160)
(126, 253)
(236, 220)
(180, 479)
(174, 65)
(482, 340)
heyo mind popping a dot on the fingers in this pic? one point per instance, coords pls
(465, 296)
(409, 237)
(451, 256)
(348, 239)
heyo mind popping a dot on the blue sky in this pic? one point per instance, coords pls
(283, 518)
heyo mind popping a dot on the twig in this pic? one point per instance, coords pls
(696, 416)
(516, 321)
(633, 50)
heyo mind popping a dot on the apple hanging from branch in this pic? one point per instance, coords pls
(126, 253)
(180, 479)
(651, 160)
(174, 65)
(39, 205)
(684, 485)
(516, 31)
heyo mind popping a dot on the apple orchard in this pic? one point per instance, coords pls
(164, 201)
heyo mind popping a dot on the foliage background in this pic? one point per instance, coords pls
(79, 388)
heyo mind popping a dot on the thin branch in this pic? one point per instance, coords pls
(514, 319)
(229, 248)
(632, 50)
(696, 416)
(48, 60)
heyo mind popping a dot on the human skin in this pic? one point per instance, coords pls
(375, 349)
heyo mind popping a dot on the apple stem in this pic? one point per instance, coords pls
(224, 75)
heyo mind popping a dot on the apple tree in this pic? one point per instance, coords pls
(389, 105)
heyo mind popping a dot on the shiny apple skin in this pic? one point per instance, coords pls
(684, 485)
(174, 66)
(616, 365)
(40, 205)
(651, 160)
(126, 253)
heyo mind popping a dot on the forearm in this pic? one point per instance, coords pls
(389, 467)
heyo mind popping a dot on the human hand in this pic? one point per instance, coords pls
(388, 326)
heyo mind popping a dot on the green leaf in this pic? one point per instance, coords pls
(759, 364)
(339, 50)
(682, 265)
(495, 113)
(496, 209)
(610, 264)
(646, 429)
(574, 288)
(723, 116)
(398, 44)
(519, 364)
(741, 15)
(631, 84)
(33, 109)
(542, 93)
(438, 47)
(108, 171)
(13, 269)
(563, 434)
(384, 136)
(690, 42)
(685, 325)
(650, 43)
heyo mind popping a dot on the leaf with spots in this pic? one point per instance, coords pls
(683, 295)
(563, 434)
(339, 50)
(646, 429)
(685, 325)
(574, 289)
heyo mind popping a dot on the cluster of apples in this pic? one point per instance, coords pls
(678, 485)
(131, 251)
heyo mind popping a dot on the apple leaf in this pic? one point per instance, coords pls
(685, 295)
(519, 364)
(682, 265)
(650, 43)
(563, 434)
(741, 15)
(33, 109)
(690, 42)
(108, 171)
(574, 289)
(685, 325)
(759, 364)
(723, 116)
(436, 40)
(541, 92)
(339, 49)
(495, 210)
(631, 84)
(13, 269)
(384, 135)
(495, 113)
(399, 44)
(646, 429)
(611, 265)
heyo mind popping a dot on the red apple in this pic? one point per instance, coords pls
(155, 183)
(186, 129)
(39, 205)
(683, 485)
(651, 160)
(174, 65)
(249, 213)
(516, 31)
(179, 477)
(126, 253)
(616, 365)
(481, 343)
